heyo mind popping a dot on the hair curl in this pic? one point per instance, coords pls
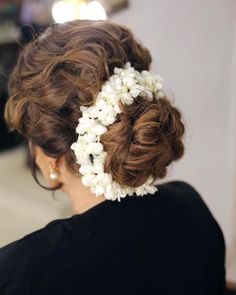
(63, 69)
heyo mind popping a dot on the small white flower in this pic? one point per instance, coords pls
(99, 129)
(109, 120)
(127, 98)
(93, 111)
(83, 158)
(135, 91)
(94, 148)
(86, 169)
(90, 137)
(98, 168)
(127, 65)
(81, 128)
(129, 82)
(107, 88)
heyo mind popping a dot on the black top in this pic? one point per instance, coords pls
(167, 243)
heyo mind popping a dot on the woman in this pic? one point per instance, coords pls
(101, 129)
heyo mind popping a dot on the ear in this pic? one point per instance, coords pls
(42, 160)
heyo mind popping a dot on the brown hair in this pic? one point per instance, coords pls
(63, 69)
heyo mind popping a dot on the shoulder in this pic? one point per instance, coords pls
(188, 206)
(19, 259)
(180, 187)
(183, 195)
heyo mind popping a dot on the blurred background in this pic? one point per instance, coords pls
(193, 43)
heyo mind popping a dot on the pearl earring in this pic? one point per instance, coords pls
(53, 174)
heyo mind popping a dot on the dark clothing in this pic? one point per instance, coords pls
(167, 243)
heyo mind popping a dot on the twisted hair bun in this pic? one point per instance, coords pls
(65, 68)
(145, 139)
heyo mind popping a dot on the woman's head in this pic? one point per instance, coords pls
(64, 69)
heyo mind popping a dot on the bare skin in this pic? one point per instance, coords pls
(80, 196)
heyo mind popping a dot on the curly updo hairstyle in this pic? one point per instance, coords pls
(64, 69)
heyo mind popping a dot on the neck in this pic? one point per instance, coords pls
(80, 196)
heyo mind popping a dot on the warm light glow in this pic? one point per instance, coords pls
(83, 11)
(94, 10)
(63, 11)
(67, 10)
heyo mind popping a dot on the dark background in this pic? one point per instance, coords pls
(14, 33)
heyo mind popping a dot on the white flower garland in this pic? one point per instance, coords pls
(124, 85)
